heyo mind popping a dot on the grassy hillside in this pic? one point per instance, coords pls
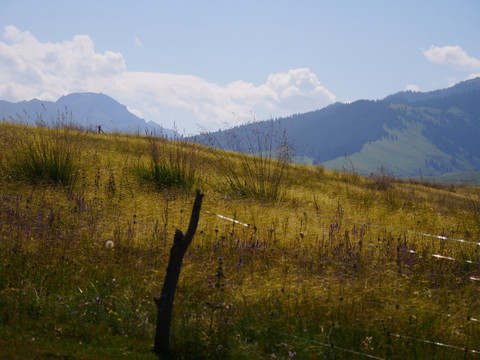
(419, 147)
(317, 264)
(404, 150)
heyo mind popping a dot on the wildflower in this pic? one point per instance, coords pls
(109, 244)
(292, 354)
(366, 343)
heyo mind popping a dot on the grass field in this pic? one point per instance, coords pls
(323, 265)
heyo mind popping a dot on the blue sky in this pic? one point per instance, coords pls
(210, 64)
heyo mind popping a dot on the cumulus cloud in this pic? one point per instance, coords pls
(299, 89)
(32, 69)
(49, 70)
(452, 55)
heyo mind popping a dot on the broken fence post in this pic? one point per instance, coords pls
(165, 301)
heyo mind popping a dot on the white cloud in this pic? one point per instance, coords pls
(31, 69)
(412, 87)
(473, 76)
(452, 55)
(135, 112)
(49, 70)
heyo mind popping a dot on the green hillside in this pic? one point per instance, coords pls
(288, 261)
(407, 134)
(415, 150)
(404, 151)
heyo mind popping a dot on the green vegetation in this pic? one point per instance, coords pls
(409, 150)
(44, 155)
(258, 169)
(339, 266)
(172, 164)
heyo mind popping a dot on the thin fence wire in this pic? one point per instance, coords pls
(331, 345)
(365, 224)
(227, 218)
(387, 333)
(438, 256)
(411, 338)
(334, 347)
(466, 349)
(412, 308)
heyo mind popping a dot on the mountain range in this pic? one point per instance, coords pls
(88, 110)
(407, 134)
(432, 134)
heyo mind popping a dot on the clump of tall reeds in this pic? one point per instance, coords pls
(259, 168)
(172, 163)
(42, 154)
(381, 180)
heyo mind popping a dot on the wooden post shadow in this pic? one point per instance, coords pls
(165, 301)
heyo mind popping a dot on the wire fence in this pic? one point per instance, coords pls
(434, 255)
(330, 345)
(365, 224)
(370, 331)
(398, 335)
(405, 337)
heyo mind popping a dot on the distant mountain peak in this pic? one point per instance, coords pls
(88, 109)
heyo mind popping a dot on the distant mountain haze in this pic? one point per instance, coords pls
(430, 134)
(85, 109)
(408, 133)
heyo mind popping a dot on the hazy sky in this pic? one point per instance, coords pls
(220, 63)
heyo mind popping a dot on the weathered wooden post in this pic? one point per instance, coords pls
(165, 301)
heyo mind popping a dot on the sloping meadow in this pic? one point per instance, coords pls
(335, 265)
